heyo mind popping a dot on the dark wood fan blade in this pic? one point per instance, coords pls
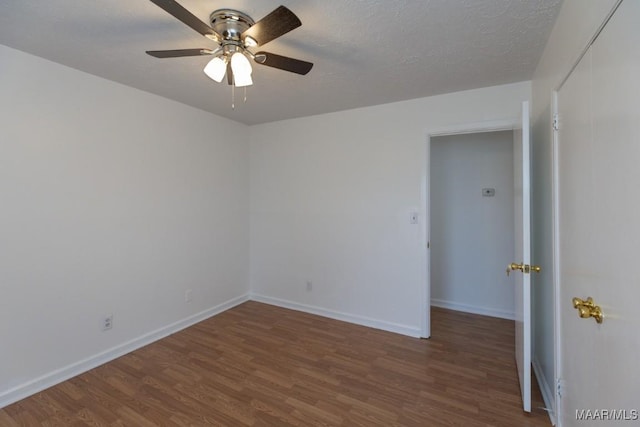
(272, 26)
(283, 63)
(179, 12)
(179, 52)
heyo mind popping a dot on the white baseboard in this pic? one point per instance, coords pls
(545, 389)
(345, 317)
(484, 311)
(52, 378)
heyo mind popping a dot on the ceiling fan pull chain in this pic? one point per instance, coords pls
(233, 97)
(245, 95)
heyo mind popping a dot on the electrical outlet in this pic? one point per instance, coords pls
(107, 322)
(187, 295)
(309, 285)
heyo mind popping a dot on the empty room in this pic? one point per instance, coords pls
(336, 213)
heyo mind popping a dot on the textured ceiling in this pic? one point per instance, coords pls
(366, 52)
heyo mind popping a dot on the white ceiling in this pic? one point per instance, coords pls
(366, 52)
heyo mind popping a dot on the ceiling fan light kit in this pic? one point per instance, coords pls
(216, 68)
(241, 70)
(236, 32)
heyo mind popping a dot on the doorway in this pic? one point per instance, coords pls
(458, 129)
(521, 225)
(472, 228)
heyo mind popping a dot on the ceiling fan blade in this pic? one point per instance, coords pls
(272, 26)
(173, 8)
(179, 53)
(283, 63)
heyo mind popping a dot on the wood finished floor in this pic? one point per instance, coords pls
(259, 365)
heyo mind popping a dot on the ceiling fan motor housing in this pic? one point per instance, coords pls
(230, 24)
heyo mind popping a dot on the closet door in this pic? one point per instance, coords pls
(598, 207)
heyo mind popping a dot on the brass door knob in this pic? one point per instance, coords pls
(587, 308)
(525, 268)
(514, 266)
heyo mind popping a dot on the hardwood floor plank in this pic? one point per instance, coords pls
(260, 365)
(270, 415)
(7, 420)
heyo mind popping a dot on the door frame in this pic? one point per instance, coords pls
(456, 129)
(555, 234)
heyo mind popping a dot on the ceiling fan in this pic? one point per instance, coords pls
(236, 32)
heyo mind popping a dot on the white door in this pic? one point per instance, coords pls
(520, 266)
(598, 227)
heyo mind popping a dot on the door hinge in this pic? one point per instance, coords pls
(556, 122)
(559, 388)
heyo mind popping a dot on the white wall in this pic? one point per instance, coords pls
(117, 201)
(113, 201)
(331, 197)
(576, 24)
(472, 236)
